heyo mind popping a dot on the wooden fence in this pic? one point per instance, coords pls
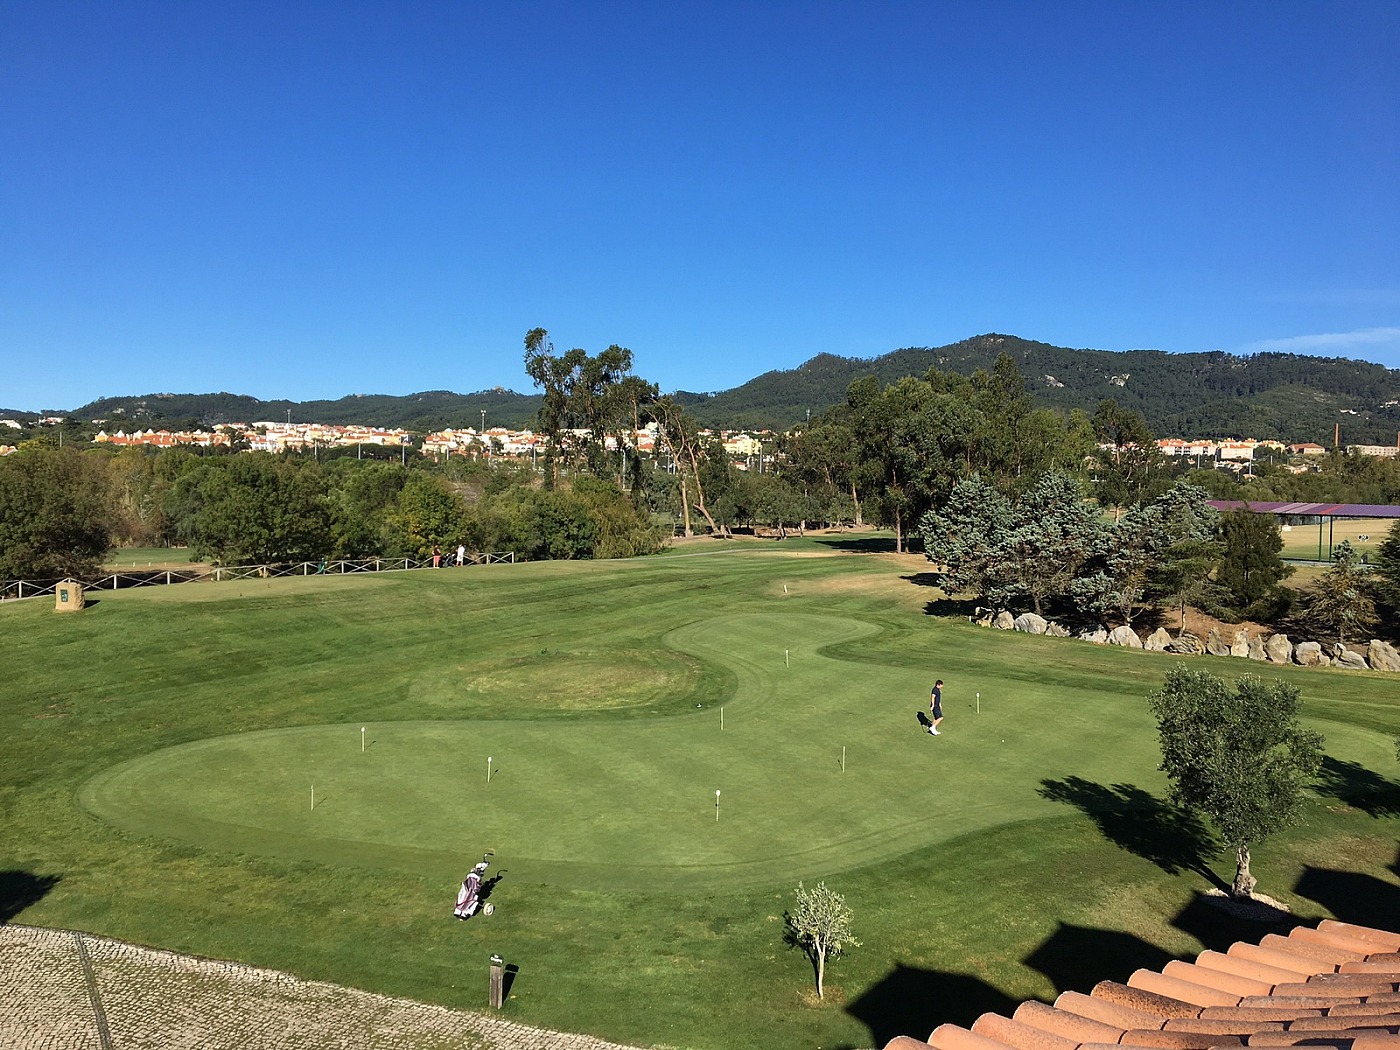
(116, 581)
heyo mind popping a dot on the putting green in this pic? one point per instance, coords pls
(632, 803)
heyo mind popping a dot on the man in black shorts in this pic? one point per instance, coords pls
(935, 706)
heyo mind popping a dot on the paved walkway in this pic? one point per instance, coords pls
(70, 991)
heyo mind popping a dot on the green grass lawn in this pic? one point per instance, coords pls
(124, 558)
(161, 748)
(1304, 542)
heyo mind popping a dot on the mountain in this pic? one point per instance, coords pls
(425, 411)
(1287, 396)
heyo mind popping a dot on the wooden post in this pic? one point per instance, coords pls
(498, 982)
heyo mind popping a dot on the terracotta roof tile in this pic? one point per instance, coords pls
(1273, 957)
(1149, 1002)
(1239, 965)
(1390, 941)
(1183, 990)
(1099, 1009)
(1063, 1023)
(955, 1037)
(1212, 978)
(1336, 986)
(1021, 1036)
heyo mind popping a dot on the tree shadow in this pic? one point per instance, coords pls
(858, 545)
(1212, 922)
(19, 890)
(912, 1001)
(963, 608)
(1171, 837)
(1075, 958)
(1352, 896)
(1359, 787)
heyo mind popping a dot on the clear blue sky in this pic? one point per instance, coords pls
(311, 199)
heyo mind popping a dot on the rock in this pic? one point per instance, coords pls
(1186, 644)
(1054, 630)
(1240, 646)
(1098, 635)
(1382, 656)
(1030, 623)
(1157, 641)
(1004, 621)
(1351, 661)
(1256, 648)
(1215, 645)
(1279, 649)
(1124, 635)
(1309, 654)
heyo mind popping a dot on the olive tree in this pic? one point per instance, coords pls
(1236, 755)
(819, 925)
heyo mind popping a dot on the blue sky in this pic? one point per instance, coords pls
(313, 199)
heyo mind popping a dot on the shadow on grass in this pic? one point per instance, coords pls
(1359, 787)
(963, 609)
(19, 890)
(1075, 958)
(858, 544)
(913, 1001)
(1209, 920)
(1352, 896)
(1172, 838)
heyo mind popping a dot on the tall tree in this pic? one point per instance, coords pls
(1387, 572)
(683, 444)
(252, 509)
(1002, 550)
(1239, 756)
(54, 516)
(1341, 604)
(1251, 561)
(1127, 456)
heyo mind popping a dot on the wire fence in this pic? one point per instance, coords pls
(14, 590)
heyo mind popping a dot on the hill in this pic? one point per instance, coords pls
(1288, 396)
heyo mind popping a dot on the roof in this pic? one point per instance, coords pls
(1335, 986)
(1324, 510)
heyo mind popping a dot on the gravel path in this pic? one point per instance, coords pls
(61, 990)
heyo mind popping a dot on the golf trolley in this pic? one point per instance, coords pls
(470, 897)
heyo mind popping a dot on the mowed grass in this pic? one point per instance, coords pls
(161, 747)
(1307, 543)
(139, 558)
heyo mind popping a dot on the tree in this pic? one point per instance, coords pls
(54, 518)
(1340, 603)
(819, 925)
(1251, 562)
(1034, 548)
(1126, 456)
(251, 509)
(1387, 572)
(1238, 756)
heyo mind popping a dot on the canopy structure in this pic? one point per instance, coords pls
(1324, 513)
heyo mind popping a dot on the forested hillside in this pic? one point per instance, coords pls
(1287, 396)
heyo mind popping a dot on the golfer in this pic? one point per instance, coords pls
(935, 706)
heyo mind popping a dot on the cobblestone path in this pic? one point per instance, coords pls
(68, 991)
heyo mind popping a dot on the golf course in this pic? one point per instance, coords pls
(297, 773)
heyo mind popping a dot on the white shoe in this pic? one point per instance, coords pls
(935, 732)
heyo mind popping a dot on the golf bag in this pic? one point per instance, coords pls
(469, 896)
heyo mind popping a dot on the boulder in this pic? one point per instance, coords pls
(1124, 635)
(1240, 646)
(1279, 649)
(1004, 621)
(1309, 654)
(1256, 648)
(1186, 644)
(1030, 623)
(1215, 645)
(1382, 656)
(1098, 635)
(1351, 661)
(1157, 641)
(1054, 630)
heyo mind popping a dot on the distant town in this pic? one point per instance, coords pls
(743, 446)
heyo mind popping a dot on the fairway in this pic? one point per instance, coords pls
(164, 746)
